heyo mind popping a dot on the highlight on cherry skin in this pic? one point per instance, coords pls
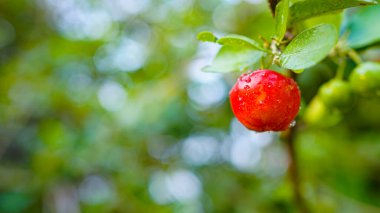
(265, 100)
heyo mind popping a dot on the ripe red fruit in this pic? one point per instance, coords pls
(265, 100)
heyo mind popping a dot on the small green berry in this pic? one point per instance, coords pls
(365, 79)
(336, 94)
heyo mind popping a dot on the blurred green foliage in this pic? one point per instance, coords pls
(104, 108)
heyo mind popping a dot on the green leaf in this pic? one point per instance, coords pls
(364, 27)
(281, 16)
(309, 47)
(206, 36)
(299, 71)
(334, 19)
(302, 10)
(240, 41)
(231, 59)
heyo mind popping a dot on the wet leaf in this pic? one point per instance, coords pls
(309, 47)
(231, 59)
(281, 16)
(240, 41)
(206, 36)
(302, 10)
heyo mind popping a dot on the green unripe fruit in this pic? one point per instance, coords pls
(365, 79)
(336, 94)
(318, 114)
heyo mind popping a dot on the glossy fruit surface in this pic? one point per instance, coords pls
(365, 79)
(336, 94)
(265, 100)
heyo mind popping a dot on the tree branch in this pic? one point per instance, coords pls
(293, 171)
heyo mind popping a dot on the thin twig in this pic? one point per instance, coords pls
(341, 68)
(354, 56)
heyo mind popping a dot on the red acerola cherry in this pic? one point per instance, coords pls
(265, 100)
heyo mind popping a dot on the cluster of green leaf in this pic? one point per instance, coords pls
(306, 49)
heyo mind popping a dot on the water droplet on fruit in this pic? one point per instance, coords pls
(246, 87)
(240, 98)
(292, 124)
(248, 80)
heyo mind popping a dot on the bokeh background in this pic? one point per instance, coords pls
(104, 108)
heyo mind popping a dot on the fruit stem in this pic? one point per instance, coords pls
(354, 56)
(262, 63)
(341, 68)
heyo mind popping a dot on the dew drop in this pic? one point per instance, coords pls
(292, 124)
(246, 87)
(240, 98)
(248, 80)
